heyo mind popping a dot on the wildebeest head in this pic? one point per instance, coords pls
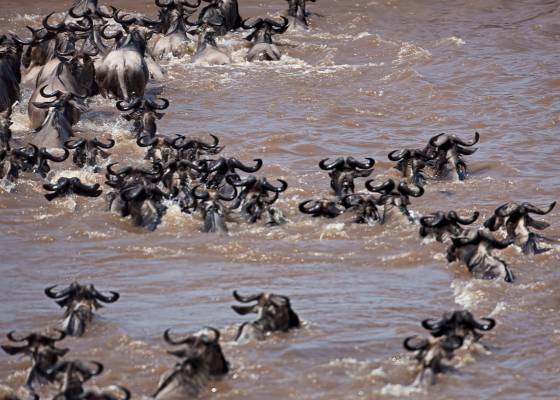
(411, 164)
(14, 161)
(393, 196)
(5, 131)
(144, 114)
(432, 355)
(297, 13)
(216, 171)
(191, 149)
(274, 314)
(67, 186)
(458, 323)
(202, 345)
(213, 209)
(80, 302)
(321, 208)
(364, 206)
(343, 171)
(86, 151)
(39, 158)
(264, 28)
(57, 127)
(143, 200)
(71, 375)
(449, 149)
(515, 219)
(227, 10)
(441, 225)
(256, 196)
(41, 349)
(475, 250)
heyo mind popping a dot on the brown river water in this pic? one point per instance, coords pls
(368, 78)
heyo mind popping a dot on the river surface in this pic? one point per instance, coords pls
(368, 78)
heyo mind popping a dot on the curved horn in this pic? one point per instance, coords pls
(452, 215)
(536, 210)
(124, 106)
(146, 141)
(190, 5)
(431, 325)
(49, 292)
(468, 143)
(280, 26)
(106, 36)
(54, 158)
(11, 336)
(328, 166)
(201, 196)
(23, 42)
(121, 20)
(61, 335)
(156, 106)
(415, 191)
(283, 186)
(124, 171)
(102, 145)
(352, 162)
(168, 339)
(490, 324)
(433, 220)
(397, 155)
(56, 94)
(434, 140)
(421, 345)
(77, 28)
(309, 210)
(386, 186)
(245, 168)
(106, 299)
(244, 24)
(74, 143)
(246, 299)
(57, 28)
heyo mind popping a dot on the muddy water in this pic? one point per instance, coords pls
(368, 78)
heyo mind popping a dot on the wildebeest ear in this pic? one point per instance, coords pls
(178, 353)
(242, 310)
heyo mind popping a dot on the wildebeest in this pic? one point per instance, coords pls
(256, 198)
(5, 131)
(67, 186)
(364, 207)
(42, 351)
(262, 48)
(516, 221)
(274, 312)
(393, 197)
(297, 14)
(39, 158)
(432, 355)
(144, 114)
(199, 359)
(86, 151)
(10, 75)
(411, 164)
(214, 211)
(475, 249)
(343, 171)
(443, 226)
(71, 376)
(172, 37)
(80, 302)
(446, 153)
(459, 323)
(56, 129)
(123, 73)
(13, 161)
(321, 208)
(207, 50)
(228, 10)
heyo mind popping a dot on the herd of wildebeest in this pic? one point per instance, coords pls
(97, 50)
